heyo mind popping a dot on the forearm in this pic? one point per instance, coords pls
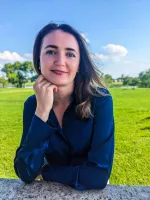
(29, 167)
(83, 177)
(29, 157)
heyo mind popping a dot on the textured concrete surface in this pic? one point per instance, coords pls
(39, 190)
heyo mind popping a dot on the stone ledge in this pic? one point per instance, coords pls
(39, 190)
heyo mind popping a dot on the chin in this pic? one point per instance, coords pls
(58, 81)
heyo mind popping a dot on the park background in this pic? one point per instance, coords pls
(117, 35)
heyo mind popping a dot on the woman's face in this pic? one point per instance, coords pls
(59, 51)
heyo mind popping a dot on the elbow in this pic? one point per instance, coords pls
(24, 176)
(27, 180)
(102, 185)
(23, 173)
(97, 184)
(90, 186)
(97, 179)
(100, 181)
(26, 171)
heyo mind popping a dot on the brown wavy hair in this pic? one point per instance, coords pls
(87, 82)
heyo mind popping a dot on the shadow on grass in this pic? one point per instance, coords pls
(145, 128)
(147, 118)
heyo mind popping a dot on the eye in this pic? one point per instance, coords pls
(70, 54)
(50, 52)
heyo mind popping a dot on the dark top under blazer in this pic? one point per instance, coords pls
(79, 154)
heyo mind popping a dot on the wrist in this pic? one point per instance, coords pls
(42, 115)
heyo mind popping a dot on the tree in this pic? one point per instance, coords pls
(33, 78)
(127, 80)
(108, 80)
(3, 81)
(18, 73)
(122, 77)
(135, 82)
(145, 78)
(131, 81)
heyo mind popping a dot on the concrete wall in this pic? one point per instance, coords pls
(40, 190)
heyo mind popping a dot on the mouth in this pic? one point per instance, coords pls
(58, 72)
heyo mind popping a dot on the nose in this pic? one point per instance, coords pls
(60, 59)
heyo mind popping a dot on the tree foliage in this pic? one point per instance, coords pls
(3, 81)
(108, 80)
(18, 73)
(33, 78)
(145, 78)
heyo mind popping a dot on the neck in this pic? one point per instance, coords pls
(63, 94)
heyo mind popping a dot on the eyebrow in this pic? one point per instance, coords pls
(56, 47)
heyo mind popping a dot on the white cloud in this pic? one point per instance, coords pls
(7, 56)
(28, 55)
(111, 53)
(85, 37)
(114, 50)
(101, 56)
(113, 60)
(11, 57)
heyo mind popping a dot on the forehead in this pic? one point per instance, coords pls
(60, 39)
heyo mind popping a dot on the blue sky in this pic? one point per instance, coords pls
(118, 31)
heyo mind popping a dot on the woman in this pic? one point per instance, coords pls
(68, 125)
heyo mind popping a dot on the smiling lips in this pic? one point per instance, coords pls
(57, 72)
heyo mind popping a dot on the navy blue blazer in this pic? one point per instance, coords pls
(80, 154)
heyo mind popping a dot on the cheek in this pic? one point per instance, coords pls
(74, 65)
(44, 60)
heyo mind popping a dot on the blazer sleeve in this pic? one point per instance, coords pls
(95, 172)
(29, 157)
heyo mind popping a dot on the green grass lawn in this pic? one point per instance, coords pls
(132, 134)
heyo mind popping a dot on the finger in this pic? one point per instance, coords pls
(50, 85)
(54, 87)
(46, 85)
(38, 84)
(39, 79)
(41, 84)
